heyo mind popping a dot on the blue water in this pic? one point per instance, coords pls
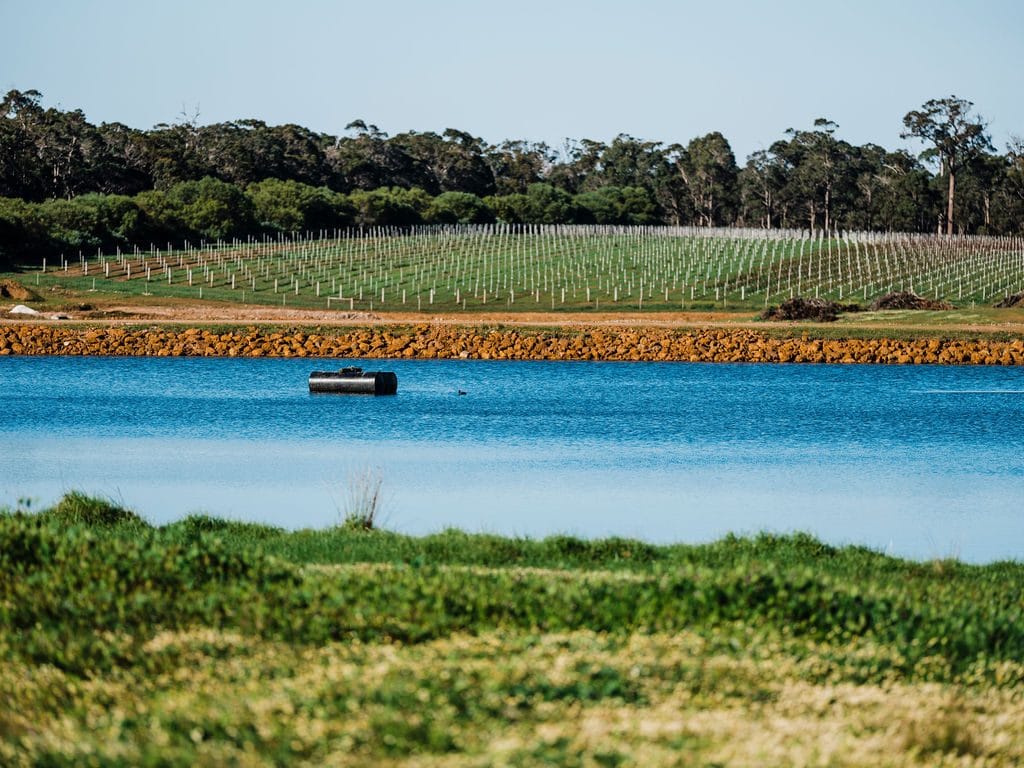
(917, 461)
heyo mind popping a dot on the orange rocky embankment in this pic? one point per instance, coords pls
(428, 341)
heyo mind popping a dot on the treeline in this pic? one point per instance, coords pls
(211, 209)
(70, 182)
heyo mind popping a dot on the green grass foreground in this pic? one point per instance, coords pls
(207, 642)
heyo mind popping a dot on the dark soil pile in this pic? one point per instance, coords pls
(1016, 300)
(907, 300)
(817, 310)
(12, 289)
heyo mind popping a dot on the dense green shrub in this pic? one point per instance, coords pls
(213, 209)
(290, 206)
(617, 205)
(76, 508)
(390, 206)
(22, 231)
(196, 524)
(459, 208)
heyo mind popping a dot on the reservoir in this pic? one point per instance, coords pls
(917, 461)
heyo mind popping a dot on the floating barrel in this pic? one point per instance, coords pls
(354, 381)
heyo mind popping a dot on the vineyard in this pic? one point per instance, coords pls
(533, 267)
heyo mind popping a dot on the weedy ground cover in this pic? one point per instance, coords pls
(209, 642)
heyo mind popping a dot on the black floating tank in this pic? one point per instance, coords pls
(354, 381)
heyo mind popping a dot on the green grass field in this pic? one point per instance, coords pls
(577, 268)
(208, 642)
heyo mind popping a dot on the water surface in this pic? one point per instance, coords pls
(917, 461)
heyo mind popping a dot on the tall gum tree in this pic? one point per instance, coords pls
(761, 182)
(821, 169)
(956, 138)
(708, 167)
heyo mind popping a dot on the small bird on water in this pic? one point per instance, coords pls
(462, 391)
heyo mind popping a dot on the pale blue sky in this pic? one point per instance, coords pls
(655, 69)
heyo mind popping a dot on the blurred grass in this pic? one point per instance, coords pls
(210, 642)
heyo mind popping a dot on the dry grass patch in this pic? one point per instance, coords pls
(578, 698)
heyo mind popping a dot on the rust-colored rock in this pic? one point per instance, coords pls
(636, 344)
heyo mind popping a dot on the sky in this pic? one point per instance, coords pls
(527, 69)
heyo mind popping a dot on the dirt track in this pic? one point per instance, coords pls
(235, 314)
(1011, 322)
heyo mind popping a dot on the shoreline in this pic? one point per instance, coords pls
(641, 343)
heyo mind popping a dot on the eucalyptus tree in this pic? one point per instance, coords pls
(301, 154)
(910, 202)
(820, 171)
(21, 174)
(237, 152)
(44, 153)
(708, 168)
(453, 162)
(71, 148)
(419, 150)
(577, 165)
(516, 164)
(760, 188)
(367, 160)
(978, 186)
(867, 170)
(956, 138)
(463, 164)
(894, 192)
(123, 164)
(876, 186)
(175, 152)
(628, 162)
(1008, 202)
(671, 193)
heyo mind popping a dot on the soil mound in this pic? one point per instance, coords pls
(113, 314)
(12, 289)
(817, 310)
(1016, 300)
(907, 300)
